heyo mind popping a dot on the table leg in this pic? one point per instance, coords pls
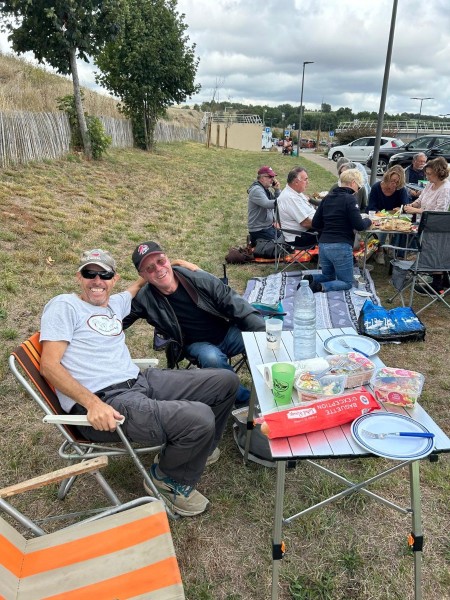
(277, 550)
(250, 417)
(417, 533)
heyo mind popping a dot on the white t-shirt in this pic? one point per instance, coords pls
(97, 355)
(293, 208)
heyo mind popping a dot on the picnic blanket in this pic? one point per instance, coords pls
(333, 309)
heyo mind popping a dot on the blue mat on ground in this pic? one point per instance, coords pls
(334, 309)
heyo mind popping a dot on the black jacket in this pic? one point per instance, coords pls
(337, 216)
(208, 292)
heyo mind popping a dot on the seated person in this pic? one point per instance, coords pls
(288, 146)
(336, 218)
(415, 173)
(194, 313)
(261, 204)
(84, 356)
(388, 194)
(362, 194)
(294, 210)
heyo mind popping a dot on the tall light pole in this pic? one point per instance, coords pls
(420, 110)
(299, 143)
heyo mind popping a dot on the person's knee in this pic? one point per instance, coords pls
(211, 357)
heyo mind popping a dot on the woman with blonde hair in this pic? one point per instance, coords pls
(390, 192)
(336, 218)
(436, 195)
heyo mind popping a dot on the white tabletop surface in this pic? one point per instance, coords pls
(330, 443)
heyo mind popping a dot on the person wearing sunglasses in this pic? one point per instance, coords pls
(85, 357)
(261, 203)
(194, 313)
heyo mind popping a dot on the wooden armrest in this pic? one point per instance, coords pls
(86, 466)
(77, 420)
(146, 363)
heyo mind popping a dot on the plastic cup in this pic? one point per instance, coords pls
(283, 382)
(273, 333)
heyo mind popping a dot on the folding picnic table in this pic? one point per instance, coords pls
(335, 443)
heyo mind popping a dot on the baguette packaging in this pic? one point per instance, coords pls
(320, 415)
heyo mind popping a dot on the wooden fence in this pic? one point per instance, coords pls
(28, 136)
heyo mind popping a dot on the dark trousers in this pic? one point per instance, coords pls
(184, 410)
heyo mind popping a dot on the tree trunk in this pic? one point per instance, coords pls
(79, 105)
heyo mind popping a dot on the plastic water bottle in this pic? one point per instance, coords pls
(304, 322)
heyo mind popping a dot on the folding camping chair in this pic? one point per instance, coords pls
(432, 255)
(24, 363)
(299, 251)
(125, 552)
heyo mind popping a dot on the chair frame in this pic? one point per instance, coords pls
(299, 251)
(24, 363)
(432, 223)
(36, 562)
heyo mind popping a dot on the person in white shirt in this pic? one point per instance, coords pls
(295, 211)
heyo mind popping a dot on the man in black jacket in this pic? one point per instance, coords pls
(194, 313)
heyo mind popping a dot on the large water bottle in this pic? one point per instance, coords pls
(304, 322)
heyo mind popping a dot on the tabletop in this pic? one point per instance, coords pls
(336, 442)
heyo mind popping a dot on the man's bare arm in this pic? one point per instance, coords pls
(135, 287)
(306, 223)
(101, 416)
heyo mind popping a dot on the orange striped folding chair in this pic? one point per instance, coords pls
(129, 554)
(24, 363)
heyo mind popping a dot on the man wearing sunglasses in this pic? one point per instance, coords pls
(194, 313)
(261, 203)
(84, 356)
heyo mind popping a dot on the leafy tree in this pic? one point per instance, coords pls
(58, 33)
(325, 108)
(150, 64)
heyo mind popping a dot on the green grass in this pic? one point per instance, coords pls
(193, 201)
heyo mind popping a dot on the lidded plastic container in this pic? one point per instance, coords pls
(310, 389)
(398, 386)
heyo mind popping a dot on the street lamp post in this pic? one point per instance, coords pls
(420, 110)
(299, 143)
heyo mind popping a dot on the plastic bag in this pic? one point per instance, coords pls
(399, 323)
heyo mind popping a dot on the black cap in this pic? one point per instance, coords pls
(144, 250)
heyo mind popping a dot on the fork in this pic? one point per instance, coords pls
(343, 343)
(381, 436)
(339, 363)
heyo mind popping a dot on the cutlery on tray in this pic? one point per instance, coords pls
(345, 345)
(381, 436)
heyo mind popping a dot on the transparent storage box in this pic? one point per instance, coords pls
(310, 389)
(398, 386)
(357, 368)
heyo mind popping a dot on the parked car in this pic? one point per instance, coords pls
(307, 143)
(360, 149)
(404, 159)
(420, 144)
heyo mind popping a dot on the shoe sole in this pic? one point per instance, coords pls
(173, 507)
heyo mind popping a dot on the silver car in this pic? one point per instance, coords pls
(359, 149)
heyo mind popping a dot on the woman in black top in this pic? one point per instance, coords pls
(336, 218)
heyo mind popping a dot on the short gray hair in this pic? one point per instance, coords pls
(294, 172)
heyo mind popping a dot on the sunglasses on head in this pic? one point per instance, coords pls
(89, 274)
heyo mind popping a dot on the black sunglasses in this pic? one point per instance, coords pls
(88, 274)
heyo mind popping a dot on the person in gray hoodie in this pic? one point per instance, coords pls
(262, 195)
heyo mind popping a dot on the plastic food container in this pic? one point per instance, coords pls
(398, 386)
(358, 369)
(310, 389)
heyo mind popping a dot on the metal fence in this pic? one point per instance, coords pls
(29, 136)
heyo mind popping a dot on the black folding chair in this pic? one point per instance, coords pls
(296, 251)
(432, 256)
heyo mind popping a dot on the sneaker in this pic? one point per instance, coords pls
(315, 287)
(212, 458)
(309, 278)
(379, 258)
(184, 500)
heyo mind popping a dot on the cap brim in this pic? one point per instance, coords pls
(99, 264)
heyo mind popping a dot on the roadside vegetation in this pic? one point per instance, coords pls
(193, 201)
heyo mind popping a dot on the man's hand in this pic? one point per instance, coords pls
(102, 416)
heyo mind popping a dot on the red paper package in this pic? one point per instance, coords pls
(320, 415)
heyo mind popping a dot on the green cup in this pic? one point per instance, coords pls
(283, 382)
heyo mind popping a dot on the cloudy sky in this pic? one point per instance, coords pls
(252, 51)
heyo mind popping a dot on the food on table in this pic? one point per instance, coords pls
(398, 386)
(310, 388)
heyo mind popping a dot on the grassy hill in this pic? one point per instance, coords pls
(193, 201)
(24, 86)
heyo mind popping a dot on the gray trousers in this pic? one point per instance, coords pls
(184, 410)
